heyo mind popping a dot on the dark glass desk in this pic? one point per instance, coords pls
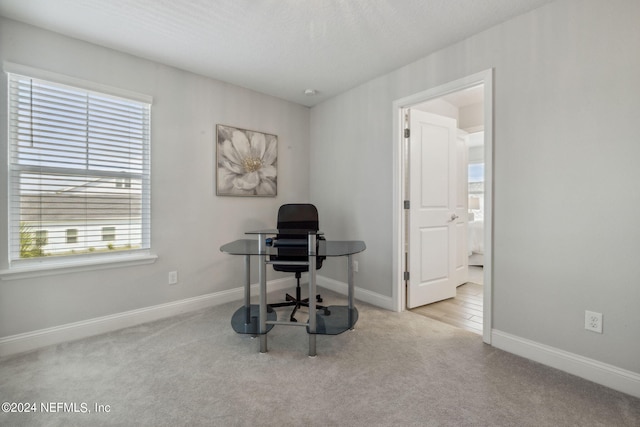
(260, 319)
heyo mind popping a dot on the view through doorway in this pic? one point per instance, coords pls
(465, 309)
(469, 102)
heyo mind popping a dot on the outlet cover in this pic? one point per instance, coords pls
(173, 277)
(593, 321)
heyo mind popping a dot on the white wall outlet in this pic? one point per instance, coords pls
(593, 321)
(355, 266)
(173, 277)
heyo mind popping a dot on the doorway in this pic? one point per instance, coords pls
(434, 100)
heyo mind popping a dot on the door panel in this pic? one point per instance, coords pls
(437, 218)
(462, 258)
(434, 167)
(434, 261)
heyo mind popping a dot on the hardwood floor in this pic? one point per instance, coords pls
(463, 311)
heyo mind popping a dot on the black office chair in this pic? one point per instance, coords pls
(293, 247)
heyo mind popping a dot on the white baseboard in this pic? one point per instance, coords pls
(359, 293)
(589, 369)
(72, 331)
(592, 370)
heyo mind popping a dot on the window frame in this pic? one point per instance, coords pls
(38, 266)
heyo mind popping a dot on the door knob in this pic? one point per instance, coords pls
(453, 217)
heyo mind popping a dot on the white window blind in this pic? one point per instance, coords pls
(78, 160)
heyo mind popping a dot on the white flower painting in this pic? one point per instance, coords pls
(247, 162)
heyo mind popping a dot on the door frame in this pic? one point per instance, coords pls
(399, 168)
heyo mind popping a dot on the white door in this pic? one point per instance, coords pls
(437, 219)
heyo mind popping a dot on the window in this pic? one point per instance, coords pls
(476, 172)
(78, 171)
(108, 234)
(72, 235)
(123, 183)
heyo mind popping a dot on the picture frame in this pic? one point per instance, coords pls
(246, 162)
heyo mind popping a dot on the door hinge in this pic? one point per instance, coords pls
(407, 133)
(406, 275)
(407, 204)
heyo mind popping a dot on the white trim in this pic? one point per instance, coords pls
(74, 266)
(361, 294)
(72, 331)
(583, 367)
(37, 73)
(398, 241)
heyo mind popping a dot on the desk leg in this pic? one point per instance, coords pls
(350, 289)
(247, 289)
(312, 295)
(262, 278)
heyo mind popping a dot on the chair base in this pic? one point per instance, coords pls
(297, 302)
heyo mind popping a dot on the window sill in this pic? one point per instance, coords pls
(75, 266)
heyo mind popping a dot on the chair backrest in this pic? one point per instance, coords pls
(296, 216)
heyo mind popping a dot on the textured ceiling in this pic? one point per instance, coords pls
(277, 47)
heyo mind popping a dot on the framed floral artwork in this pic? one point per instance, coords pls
(247, 162)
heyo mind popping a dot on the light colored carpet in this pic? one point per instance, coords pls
(394, 369)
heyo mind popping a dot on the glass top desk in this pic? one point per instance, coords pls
(260, 319)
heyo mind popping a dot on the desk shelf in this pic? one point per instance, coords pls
(244, 322)
(336, 323)
(340, 320)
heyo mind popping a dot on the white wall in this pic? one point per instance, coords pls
(566, 199)
(566, 103)
(442, 108)
(472, 117)
(189, 222)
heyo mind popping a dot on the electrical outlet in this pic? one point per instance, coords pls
(355, 266)
(173, 277)
(593, 321)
